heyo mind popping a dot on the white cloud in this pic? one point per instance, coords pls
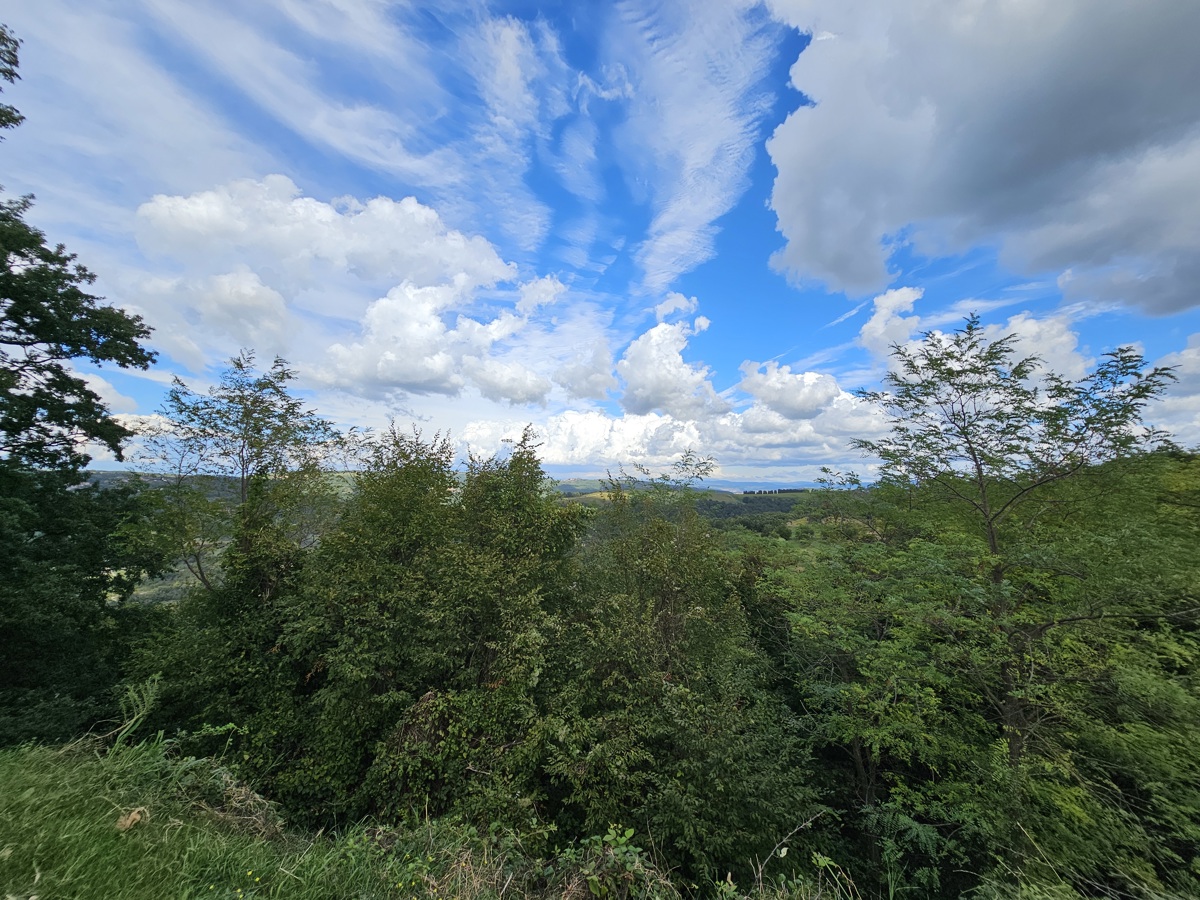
(1051, 339)
(1067, 135)
(676, 302)
(521, 77)
(793, 395)
(658, 378)
(105, 121)
(693, 119)
(108, 393)
(583, 437)
(288, 86)
(405, 345)
(888, 325)
(757, 442)
(361, 26)
(588, 375)
(577, 165)
(540, 292)
(239, 305)
(269, 224)
(1178, 412)
(508, 382)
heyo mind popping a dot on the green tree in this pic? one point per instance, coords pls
(980, 639)
(238, 456)
(249, 492)
(9, 58)
(981, 429)
(665, 721)
(989, 435)
(47, 319)
(70, 556)
(65, 563)
(427, 626)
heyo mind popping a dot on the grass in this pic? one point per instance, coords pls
(138, 822)
(75, 825)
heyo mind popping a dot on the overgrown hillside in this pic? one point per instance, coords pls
(974, 677)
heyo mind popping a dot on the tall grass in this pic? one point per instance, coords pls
(138, 822)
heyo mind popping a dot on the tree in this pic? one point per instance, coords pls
(987, 634)
(236, 457)
(988, 431)
(9, 45)
(70, 555)
(990, 435)
(248, 494)
(65, 565)
(47, 319)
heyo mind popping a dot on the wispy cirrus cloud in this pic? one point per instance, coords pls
(293, 89)
(693, 119)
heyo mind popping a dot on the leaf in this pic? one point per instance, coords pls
(131, 818)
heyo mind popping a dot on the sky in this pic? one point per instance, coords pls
(639, 227)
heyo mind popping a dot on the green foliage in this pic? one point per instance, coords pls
(665, 719)
(451, 649)
(611, 865)
(245, 457)
(980, 640)
(986, 432)
(69, 559)
(245, 500)
(9, 49)
(65, 561)
(146, 822)
(47, 319)
(978, 675)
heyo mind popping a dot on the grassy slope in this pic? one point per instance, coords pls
(200, 835)
(59, 837)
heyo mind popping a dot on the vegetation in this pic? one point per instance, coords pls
(65, 548)
(977, 676)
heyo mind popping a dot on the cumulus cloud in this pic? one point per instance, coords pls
(1052, 339)
(888, 325)
(240, 306)
(271, 225)
(580, 437)
(392, 302)
(429, 332)
(1178, 412)
(508, 382)
(588, 375)
(758, 442)
(406, 345)
(793, 395)
(108, 393)
(540, 292)
(658, 378)
(1068, 136)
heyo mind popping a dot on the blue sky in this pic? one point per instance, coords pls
(640, 227)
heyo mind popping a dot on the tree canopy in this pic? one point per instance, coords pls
(47, 319)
